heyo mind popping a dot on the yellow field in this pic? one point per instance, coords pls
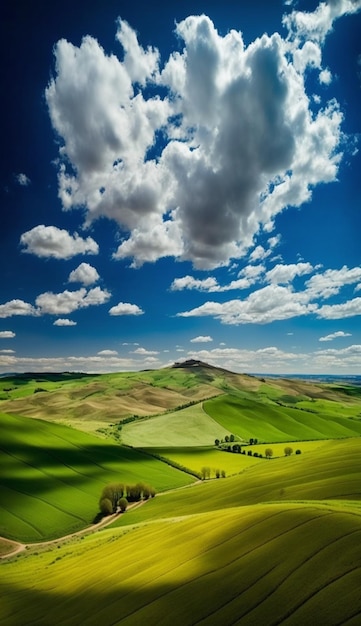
(264, 564)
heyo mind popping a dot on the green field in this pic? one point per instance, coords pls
(52, 477)
(187, 427)
(248, 418)
(252, 565)
(275, 542)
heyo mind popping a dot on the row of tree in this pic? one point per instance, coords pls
(206, 473)
(116, 496)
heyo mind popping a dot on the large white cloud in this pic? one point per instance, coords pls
(69, 301)
(7, 334)
(50, 241)
(330, 282)
(262, 306)
(16, 307)
(350, 308)
(237, 130)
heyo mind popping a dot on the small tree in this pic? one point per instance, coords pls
(217, 473)
(105, 506)
(288, 451)
(216, 442)
(205, 472)
(231, 437)
(255, 441)
(251, 442)
(123, 504)
(268, 453)
(226, 439)
(223, 474)
(298, 452)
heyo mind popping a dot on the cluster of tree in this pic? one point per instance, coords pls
(116, 496)
(227, 439)
(206, 473)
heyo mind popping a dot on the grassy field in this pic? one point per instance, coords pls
(264, 565)
(330, 473)
(275, 542)
(186, 427)
(195, 458)
(52, 476)
(247, 417)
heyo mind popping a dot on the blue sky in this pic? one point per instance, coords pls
(181, 182)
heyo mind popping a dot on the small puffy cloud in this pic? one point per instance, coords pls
(64, 322)
(201, 339)
(57, 243)
(108, 353)
(85, 274)
(350, 308)
(262, 306)
(237, 126)
(335, 335)
(16, 307)
(69, 301)
(7, 334)
(125, 308)
(283, 274)
(325, 77)
(23, 179)
(144, 352)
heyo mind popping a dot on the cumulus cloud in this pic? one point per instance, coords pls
(144, 352)
(201, 339)
(330, 282)
(64, 322)
(286, 273)
(23, 179)
(85, 274)
(262, 306)
(350, 308)
(335, 335)
(7, 334)
(69, 301)
(209, 284)
(108, 353)
(237, 129)
(16, 307)
(125, 308)
(50, 241)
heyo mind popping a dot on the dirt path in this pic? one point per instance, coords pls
(20, 547)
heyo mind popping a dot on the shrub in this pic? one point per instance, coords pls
(268, 452)
(298, 452)
(288, 451)
(216, 442)
(231, 438)
(223, 474)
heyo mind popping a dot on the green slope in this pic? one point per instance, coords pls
(52, 476)
(331, 472)
(248, 416)
(266, 565)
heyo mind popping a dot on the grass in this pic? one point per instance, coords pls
(186, 427)
(52, 476)
(252, 565)
(250, 417)
(332, 472)
(196, 458)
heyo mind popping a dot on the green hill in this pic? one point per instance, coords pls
(268, 564)
(52, 476)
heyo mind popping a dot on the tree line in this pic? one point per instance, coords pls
(116, 496)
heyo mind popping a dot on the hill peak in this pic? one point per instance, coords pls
(191, 363)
